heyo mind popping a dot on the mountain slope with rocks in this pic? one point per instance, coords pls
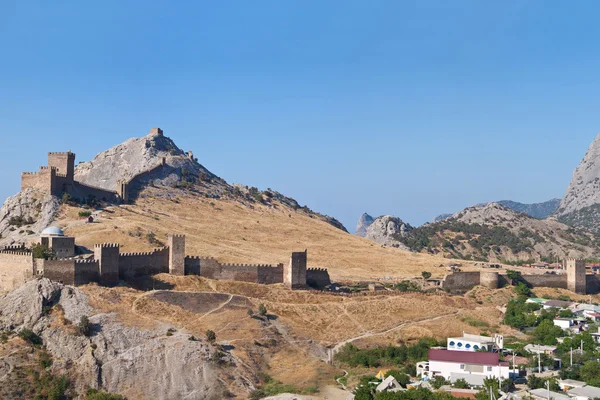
(496, 233)
(536, 210)
(363, 224)
(387, 229)
(581, 204)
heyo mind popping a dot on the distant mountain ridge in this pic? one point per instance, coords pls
(535, 210)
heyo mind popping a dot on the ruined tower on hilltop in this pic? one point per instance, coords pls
(576, 280)
(294, 274)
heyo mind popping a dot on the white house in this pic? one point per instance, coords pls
(468, 342)
(448, 362)
(596, 336)
(544, 394)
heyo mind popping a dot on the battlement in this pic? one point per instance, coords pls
(15, 247)
(16, 253)
(85, 261)
(574, 259)
(61, 153)
(247, 265)
(316, 269)
(106, 245)
(144, 253)
(156, 131)
(176, 236)
(200, 258)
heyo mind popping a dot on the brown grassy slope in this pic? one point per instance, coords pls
(234, 232)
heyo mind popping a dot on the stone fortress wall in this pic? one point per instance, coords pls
(574, 280)
(109, 265)
(58, 177)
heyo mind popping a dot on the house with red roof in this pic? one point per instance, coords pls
(472, 366)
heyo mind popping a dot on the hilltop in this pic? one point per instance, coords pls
(496, 233)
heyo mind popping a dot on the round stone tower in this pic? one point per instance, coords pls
(489, 279)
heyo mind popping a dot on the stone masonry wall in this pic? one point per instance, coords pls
(546, 280)
(60, 270)
(132, 265)
(15, 269)
(317, 277)
(592, 284)
(269, 275)
(86, 271)
(461, 281)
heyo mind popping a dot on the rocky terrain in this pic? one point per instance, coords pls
(28, 212)
(387, 230)
(112, 356)
(581, 204)
(496, 233)
(25, 214)
(364, 222)
(536, 210)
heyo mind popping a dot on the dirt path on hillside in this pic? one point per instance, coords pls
(338, 346)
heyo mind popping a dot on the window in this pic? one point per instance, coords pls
(462, 366)
(476, 347)
(468, 346)
(489, 369)
(483, 348)
(452, 343)
(459, 344)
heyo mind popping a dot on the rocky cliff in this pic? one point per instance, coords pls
(363, 224)
(112, 356)
(581, 204)
(388, 230)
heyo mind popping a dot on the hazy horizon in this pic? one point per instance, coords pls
(406, 108)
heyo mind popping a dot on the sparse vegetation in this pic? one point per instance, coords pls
(28, 336)
(211, 336)
(392, 355)
(84, 326)
(93, 394)
(262, 310)
(42, 251)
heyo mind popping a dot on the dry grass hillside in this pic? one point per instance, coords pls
(235, 232)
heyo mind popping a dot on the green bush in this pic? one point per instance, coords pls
(85, 214)
(84, 326)
(211, 336)
(28, 336)
(262, 310)
(461, 384)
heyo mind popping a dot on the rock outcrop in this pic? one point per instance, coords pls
(118, 358)
(581, 204)
(25, 214)
(363, 224)
(536, 210)
(387, 230)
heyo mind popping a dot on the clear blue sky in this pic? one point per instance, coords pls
(411, 108)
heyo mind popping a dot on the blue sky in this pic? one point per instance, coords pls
(411, 108)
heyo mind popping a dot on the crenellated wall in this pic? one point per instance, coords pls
(317, 277)
(16, 267)
(132, 265)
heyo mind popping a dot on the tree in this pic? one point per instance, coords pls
(211, 336)
(250, 312)
(522, 289)
(84, 326)
(42, 251)
(438, 381)
(488, 383)
(590, 373)
(535, 382)
(546, 332)
(262, 310)
(426, 275)
(461, 384)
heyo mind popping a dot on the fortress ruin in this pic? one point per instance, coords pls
(575, 279)
(108, 265)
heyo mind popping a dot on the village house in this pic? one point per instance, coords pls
(389, 384)
(469, 342)
(545, 394)
(584, 393)
(474, 365)
(540, 349)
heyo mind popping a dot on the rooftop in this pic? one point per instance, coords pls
(587, 391)
(466, 357)
(53, 231)
(543, 394)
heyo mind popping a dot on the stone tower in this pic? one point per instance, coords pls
(107, 255)
(294, 275)
(123, 191)
(576, 281)
(64, 164)
(177, 254)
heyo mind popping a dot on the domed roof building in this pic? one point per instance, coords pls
(54, 238)
(53, 231)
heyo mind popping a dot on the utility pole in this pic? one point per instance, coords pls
(539, 364)
(548, 386)
(571, 356)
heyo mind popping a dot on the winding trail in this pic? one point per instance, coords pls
(340, 383)
(338, 346)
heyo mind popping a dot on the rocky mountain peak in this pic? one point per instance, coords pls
(364, 222)
(387, 229)
(584, 189)
(136, 156)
